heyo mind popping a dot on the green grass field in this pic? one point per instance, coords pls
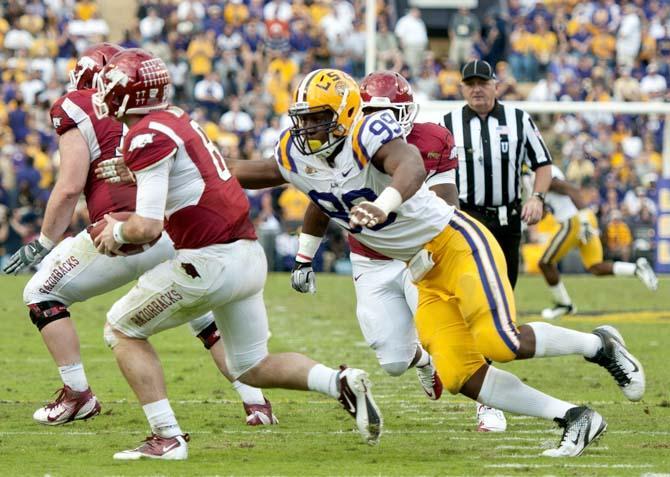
(315, 436)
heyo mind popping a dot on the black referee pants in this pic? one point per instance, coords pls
(508, 236)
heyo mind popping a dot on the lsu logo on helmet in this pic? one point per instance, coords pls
(324, 91)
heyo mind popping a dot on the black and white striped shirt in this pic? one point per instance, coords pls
(492, 151)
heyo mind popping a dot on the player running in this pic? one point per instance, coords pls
(73, 270)
(386, 298)
(361, 173)
(183, 184)
(579, 229)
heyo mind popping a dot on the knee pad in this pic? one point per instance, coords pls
(43, 313)
(108, 335)
(395, 369)
(209, 336)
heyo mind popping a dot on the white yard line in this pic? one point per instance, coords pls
(561, 463)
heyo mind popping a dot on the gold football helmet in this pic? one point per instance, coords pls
(324, 90)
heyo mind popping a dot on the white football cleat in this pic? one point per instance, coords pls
(581, 427)
(68, 406)
(646, 274)
(430, 380)
(490, 419)
(621, 364)
(357, 400)
(157, 447)
(558, 310)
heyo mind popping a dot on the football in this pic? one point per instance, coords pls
(128, 248)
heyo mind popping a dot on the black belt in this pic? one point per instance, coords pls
(490, 211)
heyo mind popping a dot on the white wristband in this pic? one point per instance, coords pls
(46, 242)
(389, 200)
(117, 233)
(307, 247)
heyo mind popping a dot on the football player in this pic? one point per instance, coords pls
(184, 185)
(386, 298)
(72, 270)
(369, 181)
(579, 229)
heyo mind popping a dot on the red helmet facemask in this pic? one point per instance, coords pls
(390, 90)
(89, 65)
(132, 82)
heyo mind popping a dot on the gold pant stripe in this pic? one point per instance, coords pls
(556, 242)
(490, 279)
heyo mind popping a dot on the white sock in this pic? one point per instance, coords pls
(74, 376)
(424, 360)
(249, 394)
(324, 380)
(624, 269)
(553, 340)
(503, 390)
(560, 294)
(162, 419)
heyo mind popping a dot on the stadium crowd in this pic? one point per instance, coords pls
(234, 64)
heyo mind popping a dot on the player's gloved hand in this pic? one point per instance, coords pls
(367, 214)
(303, 278)
(114, 171)
(586, 230)
(28, 255)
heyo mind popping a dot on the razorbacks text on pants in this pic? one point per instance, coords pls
(58, 273)
(155, 307)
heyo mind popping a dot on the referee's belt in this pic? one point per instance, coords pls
(491, 211)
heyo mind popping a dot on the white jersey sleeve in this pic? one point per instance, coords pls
(372, 132)
(560, 205)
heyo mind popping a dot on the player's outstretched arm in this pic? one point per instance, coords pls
(74, 164)
(404, 164)
(315, 223)
(257, 174)
(147, 222)
(72, 175)
(563, 187)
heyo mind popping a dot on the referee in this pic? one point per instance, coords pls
(493, 141)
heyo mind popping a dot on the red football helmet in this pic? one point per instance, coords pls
(389, 90)
(92, 61)
(132, 82)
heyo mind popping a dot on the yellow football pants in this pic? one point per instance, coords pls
(567, 238)
(466, 304)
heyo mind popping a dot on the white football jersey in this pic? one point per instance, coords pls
(353, 179)
(560, 205)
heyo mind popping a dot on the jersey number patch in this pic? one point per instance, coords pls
(387, 125)
(339, 210)
(215, 154)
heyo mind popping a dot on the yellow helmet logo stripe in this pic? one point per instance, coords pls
(301, 93)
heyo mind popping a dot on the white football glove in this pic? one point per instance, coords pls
(586, 230)
(303, 278)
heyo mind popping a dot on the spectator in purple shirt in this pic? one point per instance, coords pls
(28, 176)
(18, 120)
